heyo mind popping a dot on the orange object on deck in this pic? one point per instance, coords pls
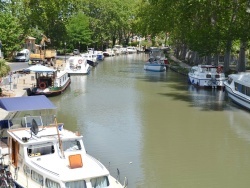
(75, 161)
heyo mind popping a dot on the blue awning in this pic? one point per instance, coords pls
(14, 104)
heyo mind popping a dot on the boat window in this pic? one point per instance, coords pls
(37, 177)
(208, 76)
(51, 184)
(71, 145)
(248, 91)
(229, 81)
(100, 182)
(76, 184)
(37, 150)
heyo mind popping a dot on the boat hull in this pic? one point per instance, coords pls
(237, 97)
(50, 92)
(206, 82)
(155, 67)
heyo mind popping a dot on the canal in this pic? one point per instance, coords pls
(156, 129)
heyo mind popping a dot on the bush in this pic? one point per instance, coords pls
(4, 68)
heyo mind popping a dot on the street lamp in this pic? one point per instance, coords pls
(65, 50)
(79, 47)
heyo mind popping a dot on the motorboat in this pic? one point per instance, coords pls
(42, 153)
(156, 61)
(77, 65)
(237, 88)
(155, 65)
(108, 52)
(49, 81)
(207, 76)
(91, 58)
(131, 50)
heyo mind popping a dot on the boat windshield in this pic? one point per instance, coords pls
(71, 145)
(80, 183)
(100, 182)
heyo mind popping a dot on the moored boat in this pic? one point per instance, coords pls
(156, 61)
(155, 65)
(42, 153)
(91, 58)
(77, 65)
(238, 89)
(49, 82)
(207, 76)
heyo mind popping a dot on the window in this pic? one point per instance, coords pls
(71, 145)
(76, 184)
(51, 184)
(100, 182)
(42, 149)
(37, 177)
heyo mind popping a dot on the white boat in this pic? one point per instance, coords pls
(49, 82)
(207, 76)
(91, 58)
(131, 50)
(156, 61)
(117, 49)
(238, 89)
(108, 52)
(155, 65)
(47, 155)
(77, 65)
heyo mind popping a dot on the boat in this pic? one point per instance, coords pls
(49, 82)
(207, 76)
(108, 52)
(91, 58)
(155, 62)
(42, 153)
(131, 50)
(77, 65)
(237, 88)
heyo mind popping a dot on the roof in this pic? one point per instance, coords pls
(14, 104)
(40, 68)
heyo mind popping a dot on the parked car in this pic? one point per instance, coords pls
(76, 52)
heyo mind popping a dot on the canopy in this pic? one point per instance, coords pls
(40, 68)
(14, 104)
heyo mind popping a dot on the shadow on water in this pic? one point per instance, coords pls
(179, 89)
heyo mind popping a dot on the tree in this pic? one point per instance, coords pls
(11, 31)
(78, 30)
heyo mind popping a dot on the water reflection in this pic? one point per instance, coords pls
(156, 129)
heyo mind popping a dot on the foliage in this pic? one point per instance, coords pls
(78, 30)
(4, 68)
(11, 31)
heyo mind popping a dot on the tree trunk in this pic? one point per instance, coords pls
(227, 56)
(242, 57)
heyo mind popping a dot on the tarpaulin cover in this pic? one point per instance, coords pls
(40, 68)
(14, 104)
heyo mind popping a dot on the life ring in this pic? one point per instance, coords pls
(42, 85)
(80, 61)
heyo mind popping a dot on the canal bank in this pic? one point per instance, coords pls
(16, 86)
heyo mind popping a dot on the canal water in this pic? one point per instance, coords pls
(157, 130)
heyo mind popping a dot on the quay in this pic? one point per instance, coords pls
(16, 88)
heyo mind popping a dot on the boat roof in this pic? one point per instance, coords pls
(44, 135)
(241, 78)
(40, 68)
(14, 104)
